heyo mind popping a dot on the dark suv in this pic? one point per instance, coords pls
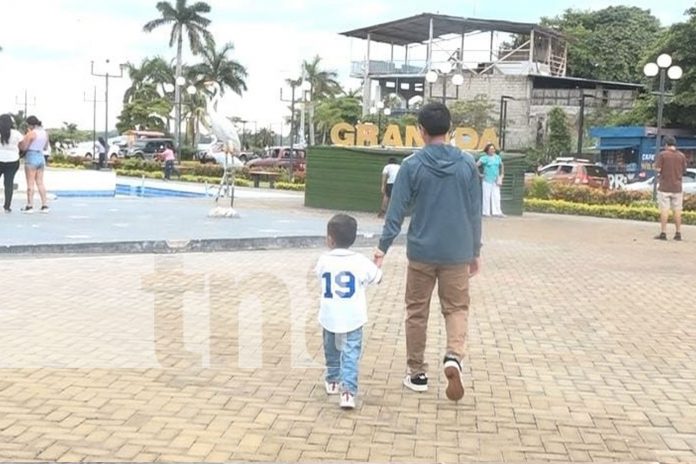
(280, 157)
(148, 148)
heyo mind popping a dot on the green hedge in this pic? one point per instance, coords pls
(638, 213)
(290, 186)
(541, 189)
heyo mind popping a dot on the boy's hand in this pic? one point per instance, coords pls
(474, 267)
(378, 257)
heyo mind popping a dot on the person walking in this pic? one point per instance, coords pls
(439, 186)
(344, 276)
(492, 179)
(388, 178)
(101, 149)
(34, 143)
(9, 157)
(670, 165)
(168, 157)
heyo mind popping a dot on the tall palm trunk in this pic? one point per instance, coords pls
(177, 94)
(311, 115)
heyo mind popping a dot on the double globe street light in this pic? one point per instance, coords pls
(664, 68)
(444, 70)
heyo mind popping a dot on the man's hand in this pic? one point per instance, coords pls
(378, 257)
(474, 267)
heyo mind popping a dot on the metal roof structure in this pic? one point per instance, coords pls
(416, 29)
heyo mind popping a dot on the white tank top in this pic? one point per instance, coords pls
(39, 141)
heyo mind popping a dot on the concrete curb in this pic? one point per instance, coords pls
(184, 246)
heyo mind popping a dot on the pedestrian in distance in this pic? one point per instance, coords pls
(344, 276)
(439, 186)
(492, 180)
(388, 178)
(35, 142)
(670, 165)
(10, 138)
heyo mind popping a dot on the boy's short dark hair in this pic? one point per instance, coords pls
(435, 118)
(670, 141)
(343, 229)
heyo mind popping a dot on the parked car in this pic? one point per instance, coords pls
(575, 172)
(148, 148)
(216, 154)
(280, 157)
(688, 183)
(89, 150)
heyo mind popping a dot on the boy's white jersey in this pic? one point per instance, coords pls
(344, 276)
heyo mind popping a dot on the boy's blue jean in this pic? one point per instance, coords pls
(342, 353)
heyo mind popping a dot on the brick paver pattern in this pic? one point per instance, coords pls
(582, 347)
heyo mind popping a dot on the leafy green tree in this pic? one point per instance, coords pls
(144, 114)
(323, 85)
(680, 43)
(186, 20)
(217, 66)
(607, 44)
(559, 138)
(478, 113)
(332, 111)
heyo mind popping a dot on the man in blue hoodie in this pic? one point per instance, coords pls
(439, 186)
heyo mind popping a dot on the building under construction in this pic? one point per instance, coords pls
(519, 67)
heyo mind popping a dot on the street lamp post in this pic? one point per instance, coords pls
(106, 77)
(664, 68)
(502, 124)
(581, 121)
(445, 70)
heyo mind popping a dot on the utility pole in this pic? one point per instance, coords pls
(25, 103)
(293, 131)
(94, 102)
(106, 99)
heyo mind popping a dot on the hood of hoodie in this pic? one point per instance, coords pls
(441, 159)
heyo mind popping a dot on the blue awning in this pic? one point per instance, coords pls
(617, 147)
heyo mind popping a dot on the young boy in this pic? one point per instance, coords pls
(344, 275)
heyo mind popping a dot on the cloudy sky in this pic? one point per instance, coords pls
(48, 52)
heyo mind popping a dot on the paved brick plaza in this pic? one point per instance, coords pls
(582, 347)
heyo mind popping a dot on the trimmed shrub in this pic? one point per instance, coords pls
(637, 213)
(290, 186)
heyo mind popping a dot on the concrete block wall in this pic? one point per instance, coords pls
(520, 133)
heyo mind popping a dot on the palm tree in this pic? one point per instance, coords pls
(323, 85)
(186, 19)
(218, 67)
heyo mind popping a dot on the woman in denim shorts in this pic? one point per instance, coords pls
(34, 143)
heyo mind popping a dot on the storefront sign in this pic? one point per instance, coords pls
(367, 135)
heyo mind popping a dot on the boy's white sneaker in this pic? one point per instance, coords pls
(331, 388)
(347, 400)
(417, 383)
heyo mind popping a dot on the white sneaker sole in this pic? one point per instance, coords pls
(455, 387)
(416, 388)
(330, 391)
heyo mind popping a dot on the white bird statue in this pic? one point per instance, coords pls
(226, 134)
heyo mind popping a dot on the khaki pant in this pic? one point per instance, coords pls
(453, 291)
(667, 201)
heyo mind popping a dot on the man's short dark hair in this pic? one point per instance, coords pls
(435, 118)
(343, 229)
(670, 141)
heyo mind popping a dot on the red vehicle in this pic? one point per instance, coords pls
(280, 157)
(573, 171)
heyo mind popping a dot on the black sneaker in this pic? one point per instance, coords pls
(8, 210)
(27, 209)
(453, 372)
(417, 383)
(662, 236)
(44, 209)
(677, 236)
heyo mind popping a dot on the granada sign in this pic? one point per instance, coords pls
(367, 135)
